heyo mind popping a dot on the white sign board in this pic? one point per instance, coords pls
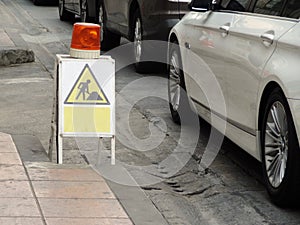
(86, 97)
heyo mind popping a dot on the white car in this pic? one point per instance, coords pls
(239, 62)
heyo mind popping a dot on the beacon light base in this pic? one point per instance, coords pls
(84, 54)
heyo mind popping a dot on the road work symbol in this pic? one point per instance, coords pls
(84, 87)
(87, 90)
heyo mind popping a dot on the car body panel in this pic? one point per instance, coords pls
(69, 4)
(204, 35)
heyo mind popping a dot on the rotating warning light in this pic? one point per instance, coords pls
(85, 41)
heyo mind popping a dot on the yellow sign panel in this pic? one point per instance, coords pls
(86, 90)
(87, 119)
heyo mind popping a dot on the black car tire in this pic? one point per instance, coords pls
(64, 15)
(176, 83)
(109, 40)
(84, 12)
(152, 55)
(280, 144)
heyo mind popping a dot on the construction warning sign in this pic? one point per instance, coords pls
(87, 106)
(87, 90)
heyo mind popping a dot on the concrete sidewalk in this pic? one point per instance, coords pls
(46, 193)
(13, 49)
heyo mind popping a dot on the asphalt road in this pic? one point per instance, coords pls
(152, 152)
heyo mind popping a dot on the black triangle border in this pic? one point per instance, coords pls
(87, 103)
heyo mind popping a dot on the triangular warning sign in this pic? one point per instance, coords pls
(87, 90)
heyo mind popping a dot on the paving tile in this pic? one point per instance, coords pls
(17, 189)
(7, 146)
(20, 221)
(12, 172)
(64, 174)
(5, 40)
(84, 208)
(5, 137)
(11, 158)
(63, 189)
(16, 207)
(81, 221)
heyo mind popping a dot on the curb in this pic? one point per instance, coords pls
(15, 56)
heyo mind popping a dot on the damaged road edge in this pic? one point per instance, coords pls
(16, 56)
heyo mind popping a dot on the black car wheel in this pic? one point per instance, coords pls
(280, 151)
(139, 49)
(84, 12)
(109, 40)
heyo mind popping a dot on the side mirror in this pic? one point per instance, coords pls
(215, 5)
(204, 5)
(199, 5)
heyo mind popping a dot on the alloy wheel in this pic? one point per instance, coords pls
(174, 82)
(276, 144)
(138, 40)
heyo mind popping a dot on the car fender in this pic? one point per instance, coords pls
(285, 74)
(294, 103)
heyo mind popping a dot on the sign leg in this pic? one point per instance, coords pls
(100, 148)
(113, 150)
(59, 149)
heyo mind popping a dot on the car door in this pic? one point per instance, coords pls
(115, 11)
(77, 6)
(123, 18)
(69, 4)
(251, 41)
(207, 49)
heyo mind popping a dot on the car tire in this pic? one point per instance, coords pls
(84, 12)
(179, 102)
(148, 57)
(109, 40)
(64, 15)
(139, 48)
(280, 151)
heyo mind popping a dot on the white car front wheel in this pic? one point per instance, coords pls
(179, 102)
(280, 151)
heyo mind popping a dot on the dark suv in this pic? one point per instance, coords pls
(135, 20)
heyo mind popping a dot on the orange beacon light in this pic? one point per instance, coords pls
(85, 42)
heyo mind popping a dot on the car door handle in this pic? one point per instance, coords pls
(225, 29)
(268, 38)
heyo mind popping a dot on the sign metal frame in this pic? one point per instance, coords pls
(68, 72)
